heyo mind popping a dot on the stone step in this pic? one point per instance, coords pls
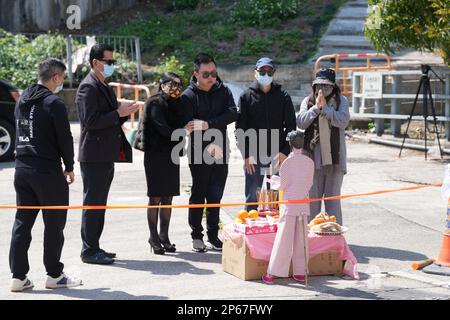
(332, 50)
(295, 92)
(357, 3)
(352, 13)
(349, 41)
(346, 27)
(298, 99)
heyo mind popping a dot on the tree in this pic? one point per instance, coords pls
(419, 24)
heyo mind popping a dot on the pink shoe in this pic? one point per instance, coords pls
(267, 279)
(299, 277)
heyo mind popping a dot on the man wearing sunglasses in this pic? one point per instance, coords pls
(208, 105)
(102, 142)
(266, 108)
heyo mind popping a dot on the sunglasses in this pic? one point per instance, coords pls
(174, 84)
(206, 74)
(270, 73)
(109, 62)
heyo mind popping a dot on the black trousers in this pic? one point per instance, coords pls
(35, 188)
(97, 178)
(208, 183)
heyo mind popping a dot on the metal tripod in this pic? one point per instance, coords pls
(425, 85)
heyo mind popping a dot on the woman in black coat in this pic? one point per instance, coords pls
(161, 117)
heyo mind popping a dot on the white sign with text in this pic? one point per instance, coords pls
(373, 85)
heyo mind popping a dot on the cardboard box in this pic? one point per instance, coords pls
(237, 261)
(326, 263)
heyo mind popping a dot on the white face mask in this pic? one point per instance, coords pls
(59, 88)
(264, 80)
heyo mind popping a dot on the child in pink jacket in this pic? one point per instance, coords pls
(296, 178)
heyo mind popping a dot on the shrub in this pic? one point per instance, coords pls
(172, 64)
(419, 24)
(264, 12)
(20, 56)
(255, 46)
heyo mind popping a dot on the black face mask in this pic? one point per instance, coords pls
(172, 91)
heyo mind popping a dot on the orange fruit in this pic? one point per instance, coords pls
(253, 214)
(242, 214)
(237, 220)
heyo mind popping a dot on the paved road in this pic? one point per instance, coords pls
(386, 233)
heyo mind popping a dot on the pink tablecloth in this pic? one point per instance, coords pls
(260, 247)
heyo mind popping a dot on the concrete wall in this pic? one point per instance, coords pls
(42, 15)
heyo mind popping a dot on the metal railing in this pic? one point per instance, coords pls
(344, 73)
(77, 47)
(394, 98)
(125, 48)
(137, 90)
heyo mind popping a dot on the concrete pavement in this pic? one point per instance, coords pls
(386, 233)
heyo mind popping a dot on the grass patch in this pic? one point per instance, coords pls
(237, 32)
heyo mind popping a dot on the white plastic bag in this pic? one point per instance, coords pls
(275, 182)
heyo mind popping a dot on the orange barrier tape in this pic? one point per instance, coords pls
(215, 205)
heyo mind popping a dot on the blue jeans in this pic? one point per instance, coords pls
(252, 182)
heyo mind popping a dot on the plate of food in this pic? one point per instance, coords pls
(321, 218)
(329, 228)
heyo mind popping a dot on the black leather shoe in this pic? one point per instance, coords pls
(169, 247)
(97, 258)
(156, 247)
(108, 254)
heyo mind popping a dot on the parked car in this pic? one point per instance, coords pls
(9, 95)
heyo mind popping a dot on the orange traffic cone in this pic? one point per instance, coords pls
(442, 265)
(444, 255)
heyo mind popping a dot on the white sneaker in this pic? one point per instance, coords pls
(63, 281)
(18, 285)
(198, 245)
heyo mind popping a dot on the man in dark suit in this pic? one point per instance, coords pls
(102, 143)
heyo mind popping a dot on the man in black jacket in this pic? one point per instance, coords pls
(267, 109)
(43, 137)
(209, 108)
(102, 142)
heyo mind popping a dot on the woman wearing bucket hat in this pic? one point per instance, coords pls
(324, 115)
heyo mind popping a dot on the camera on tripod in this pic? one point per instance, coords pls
(427, 94)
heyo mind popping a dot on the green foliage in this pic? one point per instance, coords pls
(224, 32)
(254, 46)
(20, 56)
(284, 40)
(225, 29)
(172, 64)
(419, 24)
(288, 40)
(264, 12)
